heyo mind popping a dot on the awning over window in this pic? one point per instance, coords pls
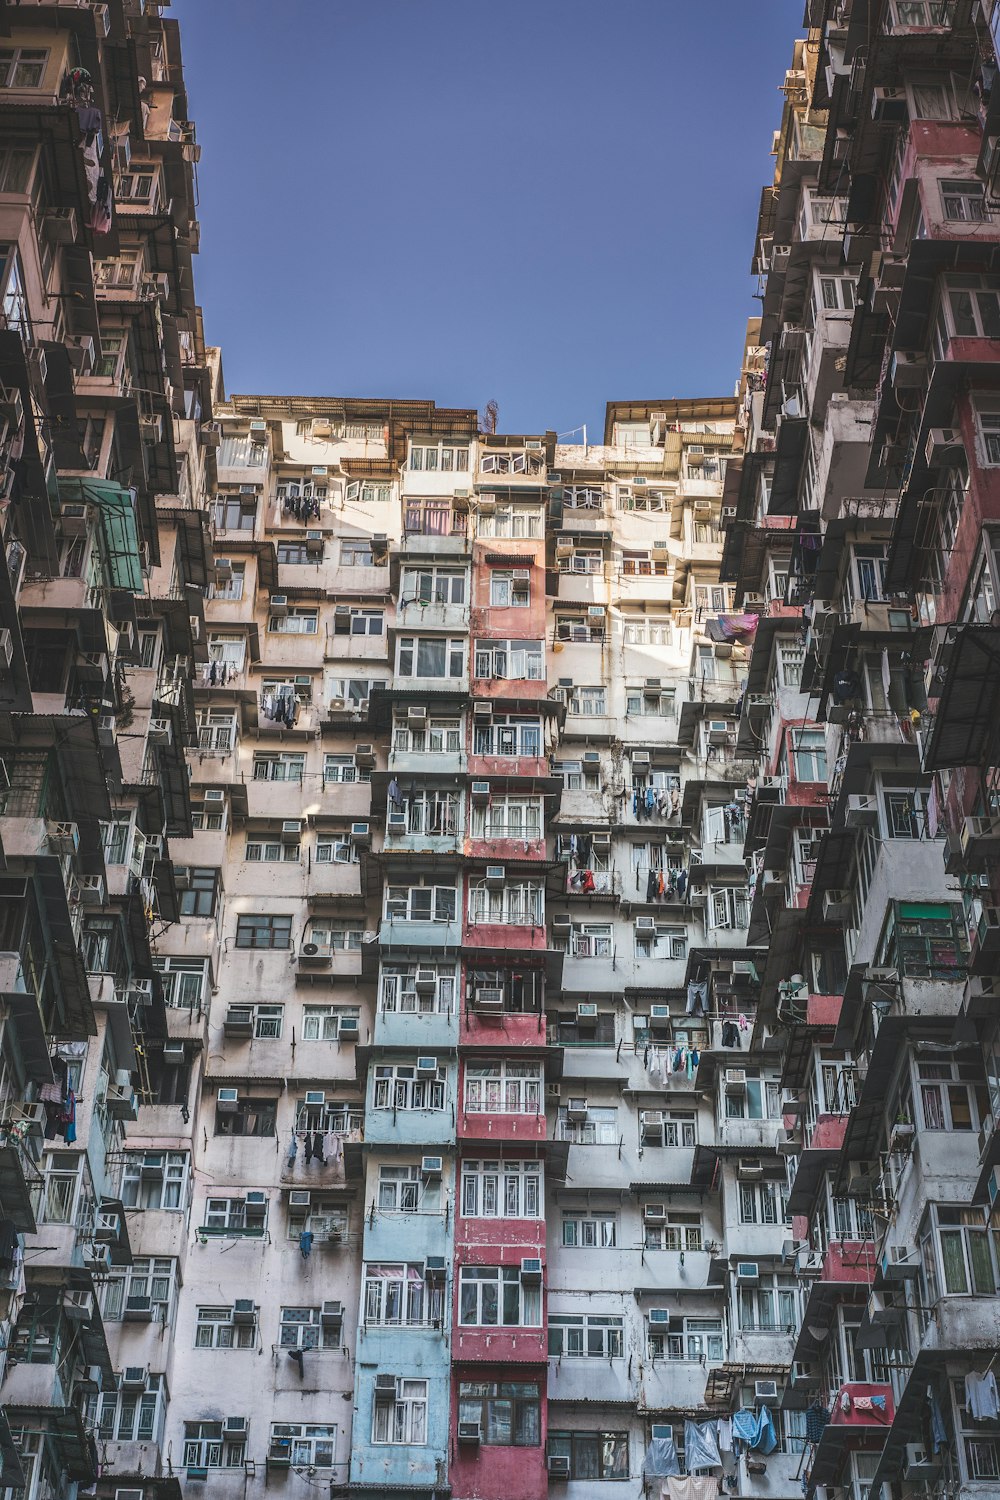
(119, 532)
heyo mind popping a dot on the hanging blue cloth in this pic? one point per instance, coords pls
(755, 1428)
(701, 1446)
(293, 1148)
(306, 1243)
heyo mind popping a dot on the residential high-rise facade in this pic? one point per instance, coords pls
(498, 936)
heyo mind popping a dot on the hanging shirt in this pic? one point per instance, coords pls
(981, 1395)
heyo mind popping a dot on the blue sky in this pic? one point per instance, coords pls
(547, 202)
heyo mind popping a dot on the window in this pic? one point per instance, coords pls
(310, 1445)
(586, 1337)
(403, 1420)
(255, 930)
(947, 1100)
(496, 1297)
(791, 658)
(661, 1129)
(336, 851)
(232, 588)
(963, 201)
(396, 1295)
(979, 1440)
(15, 169)
(591, 940)
(640, 498)
(183, 981)
(205, 1448)
(662, 942)
(680, 1232)
(837, 293)
(234, 1216)
(398, 990)
(297, 553)
(421, 903)
(507, 1413)
(957, 1256)
(444, 456)
(216, 1330)
(508, 520)
(216, 731)
(589, 1231)
(905, 807)
(302, 1328)
(508, 817)
(430, 812)
(400, 1087)
(439, 737)
(924, 940)
(342, 769)
(510, 589)
(508, 737)
(297, 621)
(321, 1023)
(356, 552)
(969, 307)
(567, 1030)
(202, 893)
(235, 513)
(503, 1088)
(501, 1189)
(650, 704)
(399, 1189)
(761, 1203)
(931, 101)
(691, 1339)
(243, 452)
(583, 497)
(729, 906)
(250, 1117)
(430, 656)
(62, 1181)
(757, 1101)
(288, 766)
(15, 295)
(808, 749)
(433, 518)
(155, 1179)
(22, 67)
(588, 702)
(770, 1307)
(511, 660)
(510, 462)
(514, 905)
(592, 1455)
(923, 13)
(271, 854)
(145, 1277)
(336, 937)
(600, 1128)
(129, 1416)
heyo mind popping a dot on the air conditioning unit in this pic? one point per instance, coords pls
(735, 1080)
(470, 1433)
(482, 711)
(361, 835)
(435, 1268)
(291, 830)
(258, 428)
(62, 838)
(659, 1317)
(748, 1167)
(495, 875)
(531, 1270)
(431, 1167)
(591, 757)
(92, 892)
(576, 1110)
(765, 1390)
(602, 842)
(747, 1272)
(645, 926)
(6, 650)
(396, 822)
(940, 442)
(133, 1378)
(234, 1427)
(908, 371)
(97, 1258)
(244, 1310)
(416, 714)
(980, 836)
(480, 791)
(562, 924)
(314, 1099)
(808, 1263)
(279, 605)
(654, 1213)
(427, 1067)
(332, 1314)
(652, 1124)
(836, 906)
(255, 1200)
(772, 783)
(59, 226)
(425, 981)
(314, 542)
(78, 1306)
(488, 1001)
(558, 1466)
(659, 1015)
(805, 1376)
(889, 106)
(138, 1310)
(920, 1464)
(861, 1178)
(586, 1014)
(227, 1101)
(862, 812)
(364, 755)
(640, 758)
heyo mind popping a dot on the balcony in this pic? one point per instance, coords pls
(399, 933)
(449, 763)
(861, 1415)
(425, 1030)
(593, 884)
(421, 615)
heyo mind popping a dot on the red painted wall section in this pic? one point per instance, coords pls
(854, 1418)
(489, 1472)
(828, 1133)
(823, 1010)
(501, 1032)
(850, 1260)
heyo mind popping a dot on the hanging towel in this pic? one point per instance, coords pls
(725, 1435)
(756, 1428)
(690, 1487)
